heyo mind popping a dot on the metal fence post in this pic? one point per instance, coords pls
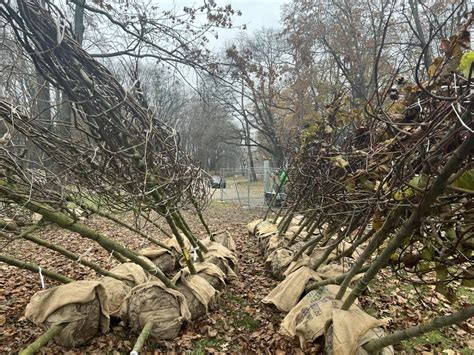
(248, 186)
(221, 187)
(266, 175)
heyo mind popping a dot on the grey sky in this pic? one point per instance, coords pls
(255, 15)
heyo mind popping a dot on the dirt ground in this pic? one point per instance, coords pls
(240, 323)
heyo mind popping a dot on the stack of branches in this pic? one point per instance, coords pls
(398, 190)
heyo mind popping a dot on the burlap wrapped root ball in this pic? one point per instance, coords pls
(288, 293)
(199, 293)
(348, 331)
(318, 314)
(279, 259)
(264, 232)
(210, 272)
(164, 259)
(116, 292)
(219, 255)
(132, 275)
(277, 262)
(175, 249)
(81, 306)
(252, 226)
(226, 240)
(166, 308)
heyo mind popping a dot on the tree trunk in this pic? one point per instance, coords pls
(144, 334)
(251, 165)
(68, 254)
(376, 241)
(439, 322)
(87, 205)
(42, 340)
(35, 268)
(427, 58)
(68, 223)
(438, 186)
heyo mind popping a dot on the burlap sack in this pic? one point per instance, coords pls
(308, 261)
(221, 257)
(164, 259)
(303, 261)
(207, 271)
(152, 252)
(166, 308)
(251, 227)
(198, 292)
(347, 329)
(116, 291)
(173, 244)
(265, 227)
(222, 263)
(212, 273)
(226, 240)
(295, 228)
(262, 242)
(297, 244)
(278, 261)
(216, 249)
(132, 274)
(296, 219)
(288, 292)
(274, 242)
(80, 304)
(373, 334)
(315, 305)
(331, 270)
(319, 252)
(308, 318)
(342, 246)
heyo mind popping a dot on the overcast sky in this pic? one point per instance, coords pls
(255, 14)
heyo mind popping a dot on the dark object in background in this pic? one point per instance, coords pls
(278, 198)
(217, 182)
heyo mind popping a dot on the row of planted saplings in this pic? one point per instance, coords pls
(140, 291)
(319, 259)
(74, 313)
(311, 264)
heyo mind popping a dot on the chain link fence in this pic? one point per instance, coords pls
(241, 187)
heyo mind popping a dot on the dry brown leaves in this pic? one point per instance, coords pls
(239, 324)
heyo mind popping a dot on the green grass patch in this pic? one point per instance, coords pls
(199, 347)
(246, 321)
(436, 339)
(467, 292)
(438, 342)
(229, 297)
(240, 318)
(217, 204)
